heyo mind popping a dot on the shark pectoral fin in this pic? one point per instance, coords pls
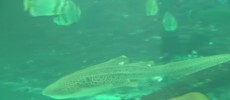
(143, 63)
(121, 60)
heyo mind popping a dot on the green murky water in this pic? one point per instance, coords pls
(35, 51)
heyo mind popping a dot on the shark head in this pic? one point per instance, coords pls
(82, 83)
(62, 89)
(76, 85)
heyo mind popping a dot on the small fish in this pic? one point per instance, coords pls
(151, 7)
(169, 22)
(65, 12)
(119, 73)
(70, 13)
(43, 7)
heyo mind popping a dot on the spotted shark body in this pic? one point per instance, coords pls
(118, 74)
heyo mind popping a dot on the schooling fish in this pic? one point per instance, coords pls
(118, 73)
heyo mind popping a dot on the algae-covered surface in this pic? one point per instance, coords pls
(35, 51)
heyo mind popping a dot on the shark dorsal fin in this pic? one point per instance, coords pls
(143, 63)
(118, 61)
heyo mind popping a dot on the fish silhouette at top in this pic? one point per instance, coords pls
(118, 74)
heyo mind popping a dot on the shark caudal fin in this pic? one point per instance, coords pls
(183, 68)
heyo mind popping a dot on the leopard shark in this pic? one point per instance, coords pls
(123, 79)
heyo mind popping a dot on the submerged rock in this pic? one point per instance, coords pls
(191, 96)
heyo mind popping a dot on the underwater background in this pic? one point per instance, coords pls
(34, 51)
